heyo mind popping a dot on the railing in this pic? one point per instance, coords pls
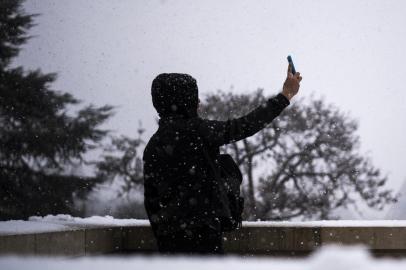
(256, 238)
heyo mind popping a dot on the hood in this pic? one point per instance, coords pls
(175, 94)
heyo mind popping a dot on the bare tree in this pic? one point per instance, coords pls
(122, 161)
(307, 161)
(121, 172)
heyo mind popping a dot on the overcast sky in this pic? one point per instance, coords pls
(352, 53)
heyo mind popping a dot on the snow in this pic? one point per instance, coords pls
(328, 223)
(330, 257)
(53, 223)
(89, 221)
(12, 227)
(111, 221)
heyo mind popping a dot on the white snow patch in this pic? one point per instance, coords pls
(61, 222)
(328, 223)
(55, 223)
(331, 258)
(12, 227)
(89, 221)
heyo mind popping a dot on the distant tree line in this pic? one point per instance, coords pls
(305, 164)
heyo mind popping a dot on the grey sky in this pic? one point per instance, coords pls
(352, 53)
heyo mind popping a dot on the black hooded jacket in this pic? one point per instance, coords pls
(180, 187)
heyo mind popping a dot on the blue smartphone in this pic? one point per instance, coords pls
(291, 64)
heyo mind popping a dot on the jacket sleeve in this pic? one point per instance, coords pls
(217, 133)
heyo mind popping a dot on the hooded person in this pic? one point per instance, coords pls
(175, 94)
(180, 193)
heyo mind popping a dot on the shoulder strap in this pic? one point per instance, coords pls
(206, 152)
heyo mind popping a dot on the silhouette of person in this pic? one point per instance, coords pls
(179, 184)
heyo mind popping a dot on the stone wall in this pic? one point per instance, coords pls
(252, 239)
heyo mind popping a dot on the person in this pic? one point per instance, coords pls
(179, 187)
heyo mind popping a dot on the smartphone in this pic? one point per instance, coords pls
(291, 64)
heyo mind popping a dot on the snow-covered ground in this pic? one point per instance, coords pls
(327, 258)
(52, 223)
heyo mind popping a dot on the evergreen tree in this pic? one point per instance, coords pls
(39, 136)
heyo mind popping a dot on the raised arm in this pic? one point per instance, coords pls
(218, 133)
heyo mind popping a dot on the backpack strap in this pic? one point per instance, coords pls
(205, 151)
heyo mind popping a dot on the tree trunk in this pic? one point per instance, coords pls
(251, 190)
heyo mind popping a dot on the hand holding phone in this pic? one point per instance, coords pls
(292, 82)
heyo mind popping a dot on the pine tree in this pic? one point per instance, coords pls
(39, 136)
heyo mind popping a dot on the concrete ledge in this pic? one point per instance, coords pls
(139, 239)
(251, 239)
(70, 243)
(103, 240)
(17, 244)
(269, 240)
(384, 238)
